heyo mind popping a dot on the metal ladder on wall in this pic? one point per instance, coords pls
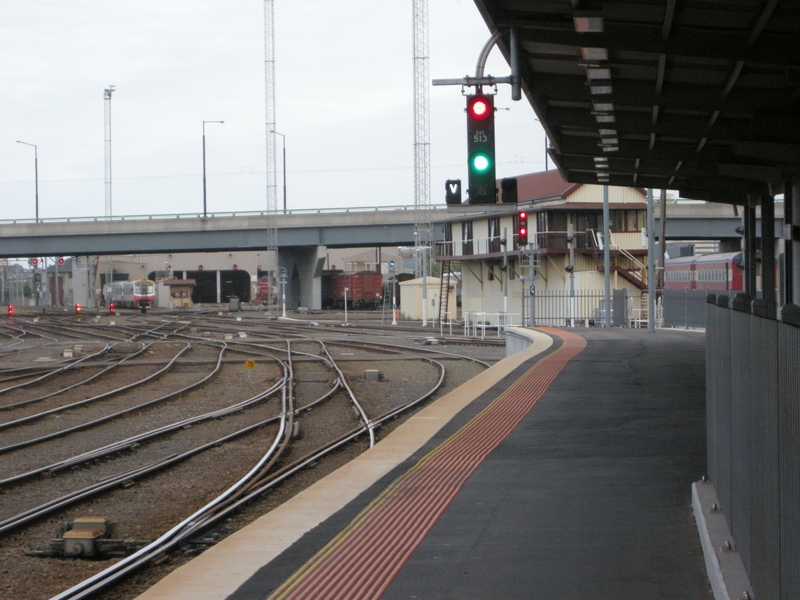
(444, 291)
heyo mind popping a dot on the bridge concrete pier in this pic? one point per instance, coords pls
(304, 267)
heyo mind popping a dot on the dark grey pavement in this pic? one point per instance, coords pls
(590, 497)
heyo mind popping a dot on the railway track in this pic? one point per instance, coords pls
(307, 407)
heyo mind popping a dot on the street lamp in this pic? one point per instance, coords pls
(204, 164)
(36, 173)
(284, 167)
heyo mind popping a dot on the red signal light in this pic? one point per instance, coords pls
(235, 268)
(200, 268)
(479, 108)
(60, 261)
(77, 308)
(10, 310)
(35, 262)
(112, 308)
(522, 228)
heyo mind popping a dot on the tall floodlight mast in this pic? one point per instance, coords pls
(107, 96)
(422, 161)
(269, 100)
(269, 82)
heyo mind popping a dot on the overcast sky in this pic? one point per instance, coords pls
(344, 102)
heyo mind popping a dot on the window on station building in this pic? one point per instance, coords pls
(628, 220)
(466, 237)
(494, 234)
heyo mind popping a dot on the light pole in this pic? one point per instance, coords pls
(204, 165)
(284, 167)
(345, 305)
(36, 173)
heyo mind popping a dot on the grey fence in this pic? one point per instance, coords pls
(559, 308)
(753, 418)
(684, 308)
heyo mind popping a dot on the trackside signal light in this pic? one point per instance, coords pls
(10, 310)
(480, 149)
(112, 309)
(77, 308)
(522, 228)
(235, 268)
(60, 261)
(35, 262)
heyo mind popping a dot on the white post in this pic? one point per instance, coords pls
(651, 272)
(394, 304)
(283, 294)
(345, 304)
(424, 286)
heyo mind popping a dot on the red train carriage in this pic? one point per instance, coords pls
(364, 290)
(265, 290)
(140, 293)
(713, 272)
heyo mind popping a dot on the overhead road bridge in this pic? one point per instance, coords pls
(333, 228)
(353, 227)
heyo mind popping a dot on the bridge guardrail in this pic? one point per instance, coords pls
(243, 213)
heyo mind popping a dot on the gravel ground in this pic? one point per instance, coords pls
(146, 507)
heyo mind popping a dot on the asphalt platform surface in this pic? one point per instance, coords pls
(589, 497)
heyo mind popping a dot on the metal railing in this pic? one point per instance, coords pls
(199, 215)
(476, 323)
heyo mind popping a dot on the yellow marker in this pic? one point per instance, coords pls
(250, 364)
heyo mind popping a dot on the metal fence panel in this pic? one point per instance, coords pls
(764, 459)
(789, 425)
(619, 305)
(738, 508)
(559, 309)
(753, 417)
(684, 308)
(717, 389)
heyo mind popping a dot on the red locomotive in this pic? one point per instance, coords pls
(714, 272)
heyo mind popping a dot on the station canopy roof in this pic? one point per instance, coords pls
(702, 97)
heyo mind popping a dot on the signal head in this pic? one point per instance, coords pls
(35, 261)
(78, 308)
(10, 310)
(60, 261)
(235, 268)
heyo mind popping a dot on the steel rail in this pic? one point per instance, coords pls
(116, 479)
(109, 417)
(73, 386)
(93, 584)
(108, 394)
(189, 527)
(353, 398)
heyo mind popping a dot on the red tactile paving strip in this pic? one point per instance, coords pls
(363, 559)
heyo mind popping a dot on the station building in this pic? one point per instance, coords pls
(560, 273)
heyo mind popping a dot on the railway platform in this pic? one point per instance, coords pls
(562, 472)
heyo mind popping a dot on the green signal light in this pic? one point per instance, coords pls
(481, 163)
